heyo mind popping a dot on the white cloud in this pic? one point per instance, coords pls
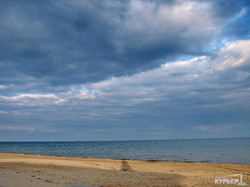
(30, 96)
(28, 129)
(235, 54)
(214, 128)
(155, 24)
(2, 87)
(47, 99)
(29, 99)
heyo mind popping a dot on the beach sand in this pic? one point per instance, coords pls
(44, 171)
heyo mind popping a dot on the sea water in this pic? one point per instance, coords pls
(228, 150)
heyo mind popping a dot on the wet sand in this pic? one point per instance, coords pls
(44, 171)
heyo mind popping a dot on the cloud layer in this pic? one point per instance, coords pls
(134, 69)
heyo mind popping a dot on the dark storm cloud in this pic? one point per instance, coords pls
(74, 42)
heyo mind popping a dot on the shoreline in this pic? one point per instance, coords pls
(33, 170)
(160, 161)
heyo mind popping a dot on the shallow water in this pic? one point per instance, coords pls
(230, 150)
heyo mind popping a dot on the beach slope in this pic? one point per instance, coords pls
(29, 171)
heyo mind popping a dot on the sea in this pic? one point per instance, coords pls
(224, 150)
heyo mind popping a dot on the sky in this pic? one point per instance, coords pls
(124, 70)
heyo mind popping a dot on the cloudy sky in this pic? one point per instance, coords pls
(121, 70)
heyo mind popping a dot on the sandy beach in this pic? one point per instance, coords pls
(29, 171)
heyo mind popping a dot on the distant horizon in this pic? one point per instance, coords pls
(124, 140)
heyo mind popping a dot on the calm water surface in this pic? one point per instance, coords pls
(230, 150)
